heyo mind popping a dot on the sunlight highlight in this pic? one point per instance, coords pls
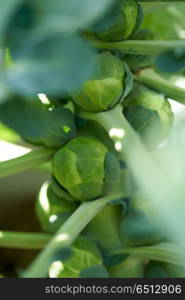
(55, 269)
(63, 237)
(10, 151)
(43, 198)
(118, 146)
(116, 132)
(53, 218)
(43, 98)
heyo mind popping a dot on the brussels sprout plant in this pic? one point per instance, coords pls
(90, 90)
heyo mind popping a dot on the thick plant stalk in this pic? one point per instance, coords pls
(131, 149)
(123, 135)
(138, 46)
(23, 240)
(153, 80)
(152, 177)
(66, 235)
(25, 162)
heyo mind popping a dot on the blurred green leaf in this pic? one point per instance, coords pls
(49, 64)
(166, 21)
(7, 10)
(67, 16)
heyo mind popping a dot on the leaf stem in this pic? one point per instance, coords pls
(153, 80)
(25, 162)
(165, 252)
(66, 235)
(139, 46)
(23, 240)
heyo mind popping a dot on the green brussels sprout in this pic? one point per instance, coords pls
(85, 255)
(59, 191)
(128, 20)
(107, 20)
(105, 89)
(141, 225)
(149, 113)
(82, 168)
(52, 211)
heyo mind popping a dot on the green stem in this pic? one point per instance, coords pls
(164, 252)
(66, 235)
(151, 79)
(25, 162)
(126, 139)
(22, 240)
(138, 46)
(131, 148)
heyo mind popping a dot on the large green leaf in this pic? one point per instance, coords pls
(7, 10)
(36, 124)
(65, 15)
(49, 64)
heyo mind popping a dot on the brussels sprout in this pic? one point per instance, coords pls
(81, 168)
(106, 87)
(141, 226)
(149, 113)
(59, 191)
(85, 255)
(127, 22)
(52, 210)
(108, 20)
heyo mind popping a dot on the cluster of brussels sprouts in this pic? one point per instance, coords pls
(86, 165)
